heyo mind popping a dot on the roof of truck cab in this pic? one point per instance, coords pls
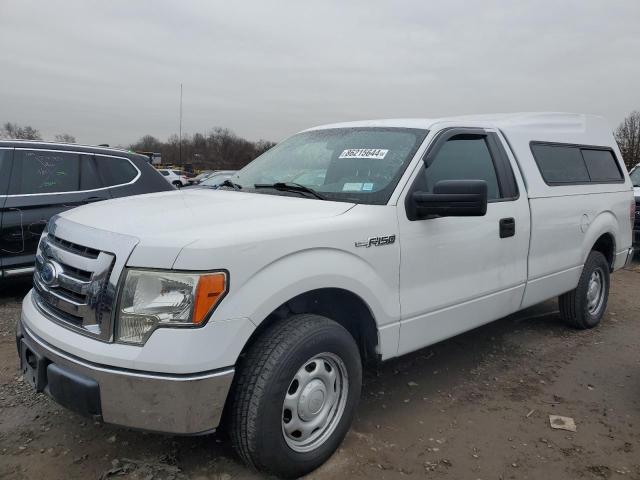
(532, 121)
(521, 130)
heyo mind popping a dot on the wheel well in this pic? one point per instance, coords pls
(606, 245)
(341, 306)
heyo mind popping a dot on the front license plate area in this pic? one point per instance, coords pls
(33, 367)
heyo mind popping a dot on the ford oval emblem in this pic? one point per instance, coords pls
(49, 274)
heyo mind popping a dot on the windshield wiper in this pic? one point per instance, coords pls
(290, 187)
(229, 183)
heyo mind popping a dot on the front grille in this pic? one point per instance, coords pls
(78, 274)
(71, 282)
(71, 295)
(74, 247)
(75, 280)
(55, 312)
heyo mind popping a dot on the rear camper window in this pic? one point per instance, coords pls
(602, 165)
(572, 164)
(560, 164)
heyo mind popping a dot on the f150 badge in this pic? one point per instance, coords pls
(377, 241)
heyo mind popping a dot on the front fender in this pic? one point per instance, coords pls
(296, 273)
(306, 270)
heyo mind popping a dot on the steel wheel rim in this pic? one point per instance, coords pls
(314, 402)
(595, 292)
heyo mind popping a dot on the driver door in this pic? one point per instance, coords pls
(457, 273)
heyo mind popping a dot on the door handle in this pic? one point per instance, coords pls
(507, 227)
(93, 199)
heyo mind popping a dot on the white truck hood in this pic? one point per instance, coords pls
(167, 221)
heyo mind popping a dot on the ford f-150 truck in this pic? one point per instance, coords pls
(258, 304)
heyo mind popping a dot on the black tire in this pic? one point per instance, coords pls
(265, 374)
(574, 305)
(177, 184)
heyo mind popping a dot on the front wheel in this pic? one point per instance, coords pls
(294, 395)
(584, 307)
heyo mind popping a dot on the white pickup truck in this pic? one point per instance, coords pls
(258, 304)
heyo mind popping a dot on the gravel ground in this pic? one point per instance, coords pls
(473, 407)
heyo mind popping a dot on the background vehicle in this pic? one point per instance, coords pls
(155, 158)
(191, 177)
(177, 178)
(267, 307)
(634, 174)
(214, 179)
(39, 180)
(202, 175)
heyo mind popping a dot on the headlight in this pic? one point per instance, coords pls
(155, 298)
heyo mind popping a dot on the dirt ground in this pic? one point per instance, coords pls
(473, 407)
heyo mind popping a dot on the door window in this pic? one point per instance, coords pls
(463, 157)
(42, 172)
(115, 170)
(89, 179)
(5, 163)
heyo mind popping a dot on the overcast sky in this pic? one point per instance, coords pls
(110, 71)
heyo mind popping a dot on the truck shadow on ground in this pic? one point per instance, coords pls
(14, 290)
(442, 367)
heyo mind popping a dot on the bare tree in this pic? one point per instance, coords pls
(262, 146)
(221, 148)
(148, 143)
(628, 137)
(65, 138)
(13, 130)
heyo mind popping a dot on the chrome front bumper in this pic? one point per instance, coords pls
(180, 404)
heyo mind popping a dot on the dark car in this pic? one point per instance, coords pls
(39, 180)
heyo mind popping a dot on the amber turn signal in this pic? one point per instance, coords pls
(210, 289)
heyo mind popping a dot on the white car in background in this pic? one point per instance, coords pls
(204, 174)
(215, 179)
(175, 177)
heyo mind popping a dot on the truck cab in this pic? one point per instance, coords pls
(263, 300)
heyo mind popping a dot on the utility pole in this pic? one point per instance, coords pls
(180, 136)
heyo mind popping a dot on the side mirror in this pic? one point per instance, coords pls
(452, 198)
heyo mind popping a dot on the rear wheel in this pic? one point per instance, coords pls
(294, 395)
(584, 307)
(177, 184)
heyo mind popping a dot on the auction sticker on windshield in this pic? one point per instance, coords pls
(375, 153)
(352, 187)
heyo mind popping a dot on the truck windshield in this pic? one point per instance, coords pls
(361, 165)
(635, 176)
